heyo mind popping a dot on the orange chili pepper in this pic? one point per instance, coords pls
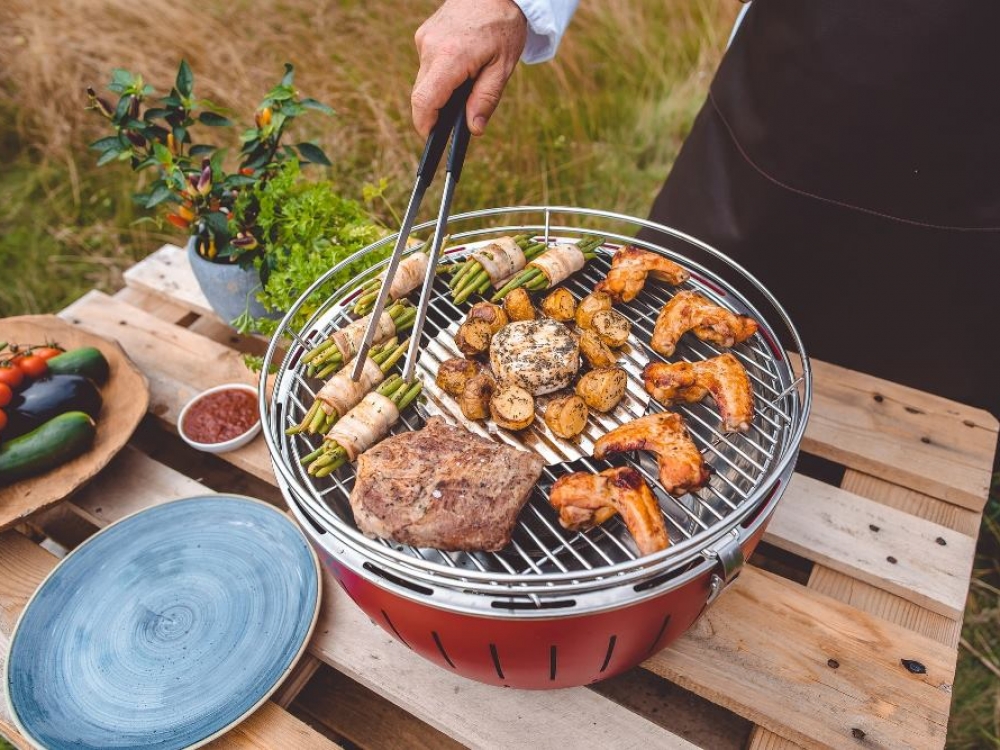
(178, 222)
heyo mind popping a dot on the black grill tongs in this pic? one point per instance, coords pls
(451, 119)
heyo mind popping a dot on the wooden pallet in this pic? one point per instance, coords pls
(874, 572)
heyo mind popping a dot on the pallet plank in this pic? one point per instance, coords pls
(132, 483)
(877, 601)
(939, 447)
(763, 650)
(365, 718)
(913, 502)
(269, 727)
(762, 739)
(943, 629)
(916, 559)
(167, 274)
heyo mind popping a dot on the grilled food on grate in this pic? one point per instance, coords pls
(363, 426)
(687, 382)
(443, 487)
(586, 500)
(340, 393)
(689, 311)
(408, 277)
(681, 466)
(629, 269)
(540, 356)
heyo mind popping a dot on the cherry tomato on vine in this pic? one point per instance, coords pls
(11, 376)
(47, 352)
(6, 394)
(32, 365)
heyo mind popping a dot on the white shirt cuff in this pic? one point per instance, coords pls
(547, 22)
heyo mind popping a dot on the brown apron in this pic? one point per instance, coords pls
(849, 156)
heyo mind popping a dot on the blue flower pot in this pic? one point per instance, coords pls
(227, 286)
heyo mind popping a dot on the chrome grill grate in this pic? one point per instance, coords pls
(744, 466)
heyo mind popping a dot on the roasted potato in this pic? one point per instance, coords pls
(473, 338)
(595, 351)
(602, 389)
(512, 407)
(560, 305)
(566, 416)
(593, 303)
(611, 327)
(517, 305)
(454, 373)
(492, 315)
(474, 400)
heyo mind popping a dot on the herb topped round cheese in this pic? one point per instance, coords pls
(540, 356)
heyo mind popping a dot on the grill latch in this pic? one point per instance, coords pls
(729, 555)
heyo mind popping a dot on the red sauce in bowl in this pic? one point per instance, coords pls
(221, 416)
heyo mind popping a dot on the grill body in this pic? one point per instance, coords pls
(557, 651)
(559, 608)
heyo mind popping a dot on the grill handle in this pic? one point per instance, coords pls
(730, 561)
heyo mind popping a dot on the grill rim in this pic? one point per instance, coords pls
(519, 585)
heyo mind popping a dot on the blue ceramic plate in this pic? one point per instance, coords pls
(164, 629)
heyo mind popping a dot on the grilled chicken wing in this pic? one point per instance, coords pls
(689, 311)
(629, 268)
(586, 500)
(681, 466)
(723, 377)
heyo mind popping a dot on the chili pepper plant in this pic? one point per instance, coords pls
(193, 182)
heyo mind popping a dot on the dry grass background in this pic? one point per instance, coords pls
(598, 127)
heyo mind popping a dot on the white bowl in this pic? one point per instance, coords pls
(227, 445)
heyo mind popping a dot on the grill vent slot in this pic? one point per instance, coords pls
(496, 660)
(663, 629)
(389, 623)
(437, 640)
(397, 580)
(611, 650)
(553, 604)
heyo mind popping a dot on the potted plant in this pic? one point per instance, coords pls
(228, 254)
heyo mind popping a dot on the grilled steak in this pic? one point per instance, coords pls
(443, 487)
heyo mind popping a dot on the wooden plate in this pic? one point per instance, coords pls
(126, 398)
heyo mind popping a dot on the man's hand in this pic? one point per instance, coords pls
(481, 39)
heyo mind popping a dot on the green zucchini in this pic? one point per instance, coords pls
(86, 361)
(55, 442)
